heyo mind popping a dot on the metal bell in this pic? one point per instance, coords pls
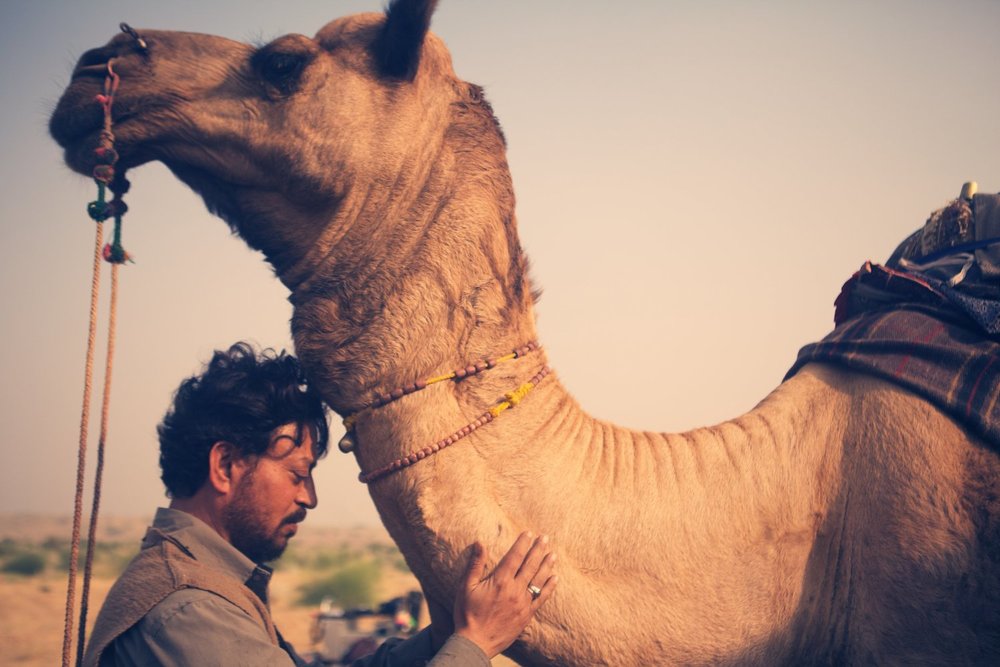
(347, 443)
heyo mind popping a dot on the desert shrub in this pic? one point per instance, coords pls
(115, 562)
(378, 550)
(55, 543)
(327, 559)
(8, 547)
(63, 551)
(294, 558)
(27, 563)
(110, 558)
(351, 586)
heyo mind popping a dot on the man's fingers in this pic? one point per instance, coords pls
(543, 571)
(476, 570)
(533, 560)
(547, 589)
(542, 582)
(512, 560)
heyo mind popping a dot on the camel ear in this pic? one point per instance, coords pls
(397, 48)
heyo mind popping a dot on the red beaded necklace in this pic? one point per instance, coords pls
(511, 399)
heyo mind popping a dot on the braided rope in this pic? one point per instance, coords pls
(99, 470)
(74, 550)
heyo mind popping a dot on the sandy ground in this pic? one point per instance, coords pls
(32, 613)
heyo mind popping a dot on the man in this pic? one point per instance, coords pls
(237, 451)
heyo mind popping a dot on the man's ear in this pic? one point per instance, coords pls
(223, 468)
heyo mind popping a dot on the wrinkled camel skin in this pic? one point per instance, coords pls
(840, 521)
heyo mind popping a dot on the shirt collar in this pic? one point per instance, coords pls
(208, 547)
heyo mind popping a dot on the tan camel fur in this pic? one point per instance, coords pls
(841, 521)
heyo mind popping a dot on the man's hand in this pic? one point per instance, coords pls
(493, 610)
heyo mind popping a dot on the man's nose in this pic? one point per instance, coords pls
(307, 494)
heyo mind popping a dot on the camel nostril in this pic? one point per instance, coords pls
(97, 56)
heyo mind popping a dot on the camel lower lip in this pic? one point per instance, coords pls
(78, 132)
(77, 115)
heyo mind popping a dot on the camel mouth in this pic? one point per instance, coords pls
(78, 119)
(77, 115)
(78, 112)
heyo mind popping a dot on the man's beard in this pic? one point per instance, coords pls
(246, 528)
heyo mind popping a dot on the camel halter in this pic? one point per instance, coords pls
(511, 399)
(107, 178)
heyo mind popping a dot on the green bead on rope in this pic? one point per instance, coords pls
(98, 210)
(114, 252)
(107, 178)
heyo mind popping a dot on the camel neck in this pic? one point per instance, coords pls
(676, 502)
(414, 275)
(439, 291)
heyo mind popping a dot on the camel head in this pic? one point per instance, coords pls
(369, 175)
(284, 140)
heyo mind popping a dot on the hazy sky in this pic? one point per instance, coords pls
(695, 181)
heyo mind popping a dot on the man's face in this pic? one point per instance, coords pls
(271, 497)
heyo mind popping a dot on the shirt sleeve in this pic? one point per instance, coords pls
(459, 652)
(417, 651)
(192, 627)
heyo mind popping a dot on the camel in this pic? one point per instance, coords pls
(843, 520)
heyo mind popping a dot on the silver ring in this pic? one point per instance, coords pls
(535, 591)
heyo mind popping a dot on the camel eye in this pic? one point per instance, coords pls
(282, 65)
(280, 70)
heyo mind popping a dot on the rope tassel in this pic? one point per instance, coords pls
(513, 398)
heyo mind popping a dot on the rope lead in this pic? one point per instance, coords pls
(99, 210)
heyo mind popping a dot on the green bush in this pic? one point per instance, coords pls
(63, 551)
(294, 558)
(326, 559)
(55, 543)
(116, 561)
(8, 546)
(110, 558)
(351, 586)
(27, 563)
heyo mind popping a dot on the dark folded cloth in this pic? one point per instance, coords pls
(875, 287)
(945, 362)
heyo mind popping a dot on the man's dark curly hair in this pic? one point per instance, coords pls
(240, 398)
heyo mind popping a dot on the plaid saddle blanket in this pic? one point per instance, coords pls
(931, 326)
